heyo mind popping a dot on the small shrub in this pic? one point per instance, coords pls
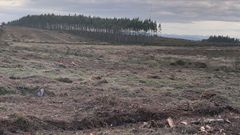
(32, 91)
(236, 63)
(62, 66)
(189, 64)
(26, 90)
(65, 80)
(178, 63)
(6, 90)
(23, 124)
(142, 81)
(200, 65)
(14, 78)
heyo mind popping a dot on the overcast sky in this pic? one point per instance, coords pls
(189, 17)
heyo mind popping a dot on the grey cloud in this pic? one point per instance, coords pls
(161, 10)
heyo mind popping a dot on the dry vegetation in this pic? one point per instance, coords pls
(115, 89)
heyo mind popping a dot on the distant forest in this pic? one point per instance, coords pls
(121, 30)
(86, 23)
(221, 39)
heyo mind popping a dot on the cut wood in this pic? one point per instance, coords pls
(208, 121)
(213, 121)
(170, 122)
(184, 123)
(203, 129)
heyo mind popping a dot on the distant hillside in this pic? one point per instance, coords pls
(33, 35)
(187, 37)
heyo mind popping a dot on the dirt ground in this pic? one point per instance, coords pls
(105, 90)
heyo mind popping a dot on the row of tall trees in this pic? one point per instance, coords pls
(87, 23)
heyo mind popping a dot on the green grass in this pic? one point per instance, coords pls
(27, 90)
(64, 80)
(6, 90)
(22, 123)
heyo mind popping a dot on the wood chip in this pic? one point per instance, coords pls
(203, 129)
(208, 121)
(213, 120)
(208, 127)
(184, 123)
(170, 122)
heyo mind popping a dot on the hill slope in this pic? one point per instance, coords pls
(34, 35)
(24, 34)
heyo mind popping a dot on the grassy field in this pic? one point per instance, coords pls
(108, 89)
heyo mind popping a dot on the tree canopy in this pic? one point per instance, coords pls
(81, 22)
(222, 39)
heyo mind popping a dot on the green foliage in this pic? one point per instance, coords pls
(64, 80)
(22, 123)
(6, 90)
(26, 90)
(178, 63)
(222, 39)
(113, 30)
(1, 32)
(85, 23)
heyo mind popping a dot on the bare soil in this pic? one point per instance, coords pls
(110, 89)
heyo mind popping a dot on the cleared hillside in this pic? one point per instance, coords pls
(115, 89)
(24, 34)
(34, 35)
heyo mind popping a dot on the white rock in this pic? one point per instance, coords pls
(40, 92)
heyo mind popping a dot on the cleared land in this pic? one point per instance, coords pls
(115, 89)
